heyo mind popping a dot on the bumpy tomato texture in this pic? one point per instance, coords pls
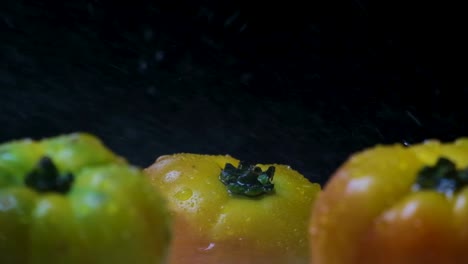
(395, 204)
(69, 199)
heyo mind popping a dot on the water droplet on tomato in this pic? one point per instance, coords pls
(184, 194)
(172, 176)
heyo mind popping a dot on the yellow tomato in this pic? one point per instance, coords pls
(230, 213)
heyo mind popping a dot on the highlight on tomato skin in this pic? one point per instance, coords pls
(226, 211)
(395, 204)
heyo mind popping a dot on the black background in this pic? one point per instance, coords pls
(301, 83)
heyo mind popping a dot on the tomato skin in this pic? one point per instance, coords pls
(215, 226)
(369, 211)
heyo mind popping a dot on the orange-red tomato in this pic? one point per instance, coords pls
(395, 204)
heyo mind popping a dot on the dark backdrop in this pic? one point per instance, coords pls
(301, 83)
